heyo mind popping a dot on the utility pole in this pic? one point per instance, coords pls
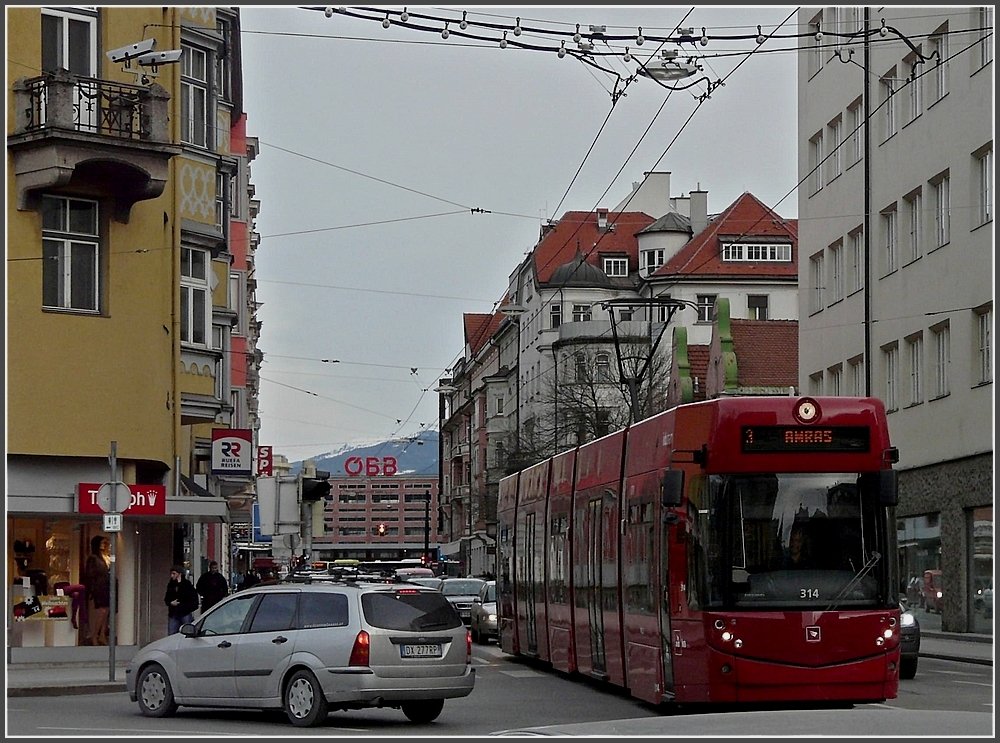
(427, 528)
(112, 575)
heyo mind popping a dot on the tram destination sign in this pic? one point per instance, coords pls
(757, 439)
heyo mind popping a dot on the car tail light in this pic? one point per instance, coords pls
(468, 646)
(360, 652)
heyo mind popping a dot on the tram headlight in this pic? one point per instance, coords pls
(887, 634)
(727, 636)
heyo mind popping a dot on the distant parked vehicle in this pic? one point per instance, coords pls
(461, 592)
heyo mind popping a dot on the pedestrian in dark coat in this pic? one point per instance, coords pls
(212, 587)
(181, 600)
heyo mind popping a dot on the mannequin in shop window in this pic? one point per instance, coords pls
(97, 579)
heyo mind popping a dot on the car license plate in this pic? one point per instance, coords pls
(420, 651)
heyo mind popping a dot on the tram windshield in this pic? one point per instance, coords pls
(804, 541)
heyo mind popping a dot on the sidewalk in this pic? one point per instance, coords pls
(58, 679)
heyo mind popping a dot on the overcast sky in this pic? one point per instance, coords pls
(378, 148)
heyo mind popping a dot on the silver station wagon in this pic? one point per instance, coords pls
(311, 647)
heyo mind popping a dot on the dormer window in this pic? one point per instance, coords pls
(652, 260)
(616, 266)
(602, 220)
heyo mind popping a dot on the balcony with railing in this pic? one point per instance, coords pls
(102, 136)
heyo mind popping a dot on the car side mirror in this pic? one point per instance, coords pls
(189, 630)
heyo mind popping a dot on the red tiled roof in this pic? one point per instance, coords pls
(579, 231)
(767, 352)
(479, 328)
(746, 218)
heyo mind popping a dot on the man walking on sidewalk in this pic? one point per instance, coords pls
(212, 587)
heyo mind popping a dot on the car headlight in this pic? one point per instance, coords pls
(906, 619)
(493, 617)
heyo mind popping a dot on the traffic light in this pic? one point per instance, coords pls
(316, 488)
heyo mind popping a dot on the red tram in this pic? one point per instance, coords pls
(738, 550)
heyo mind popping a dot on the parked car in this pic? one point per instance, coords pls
(461, 592)
(483, 615)
(432, 582)
(309, 647)
(909, 645)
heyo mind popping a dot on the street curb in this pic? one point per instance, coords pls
(59, 691)
(946, 656)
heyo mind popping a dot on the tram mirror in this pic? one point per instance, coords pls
(671, 488)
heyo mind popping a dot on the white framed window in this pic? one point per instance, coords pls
(582, 313)
(856, 376)
(938, 52)
(834, 379)
(223, 66)
(69, 41)
(914, 87)
(889, 239)
(915, 360)
(913, 205)
(984, 190)
(661, 313)
(833, 163)
(815, 163)
(816, 383)
(772, 252)
(652, 260)
(603, 367)
(194, 95)
(942, 359)
(616, 266)
(984, 344)
(856, 277)
(887, 102)
(706, 307)
(555, 315)
(196, 306)
(890, 357)
(856, 120)
(816, 280)
(985, 25)
(757, 306)
(837, 271)
(498, 405)
(71, 245)
(221, 180)
(941, 189)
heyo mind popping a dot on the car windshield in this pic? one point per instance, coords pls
(461, 586)
(410, 609)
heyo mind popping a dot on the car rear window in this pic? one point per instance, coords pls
(322, 610)
(410, 610)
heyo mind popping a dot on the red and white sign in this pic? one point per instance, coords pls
(265, 461)
(370, 466)
(147, 500)
(232, 451)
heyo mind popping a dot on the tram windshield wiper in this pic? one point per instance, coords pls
(865, 569)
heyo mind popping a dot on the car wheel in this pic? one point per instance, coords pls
(305, 704)
(154, 692)
(907, 668)
(425, 710)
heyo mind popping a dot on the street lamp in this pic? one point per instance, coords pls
(668, 68)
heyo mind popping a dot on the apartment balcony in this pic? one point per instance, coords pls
(601, 329)
(94, 135)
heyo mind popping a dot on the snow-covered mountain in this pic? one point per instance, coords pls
(415, 455)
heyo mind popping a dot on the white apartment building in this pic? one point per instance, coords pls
(896, 252)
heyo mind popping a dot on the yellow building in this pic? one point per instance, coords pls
(130, 311)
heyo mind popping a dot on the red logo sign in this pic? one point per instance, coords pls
(370, 466)
(265, 461)
(147, 500)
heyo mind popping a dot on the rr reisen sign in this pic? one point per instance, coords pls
(147, 500)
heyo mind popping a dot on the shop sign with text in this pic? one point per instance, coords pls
(232, 451)
(147, 500)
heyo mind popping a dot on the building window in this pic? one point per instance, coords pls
(984, 196)
(889, 239)
(833, 167)
(223, 67)
(914, 87)
(70, 254)
(652, 260)
(581, 313)
(856, 376)
(915, 358)
(856, 279)
(887, 102)
(771, 252)
(914, 215)
(942, 210)
(625, 314)
(603, 367)
(757, 306)
(834, 377)
(855, 151)
(195, 304)
(69, 42)
(499, 405)
(890, 355)
(816, 383)
(706, 307)
(816, 278)
(220, 201)
(194, 95)
(938, 52)
(818, 50)
(616, 266)
(985, 35)
(815, 163)
(837, 271)
(984, 344)
(555, 315)
(942, 359)
(580, 367)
